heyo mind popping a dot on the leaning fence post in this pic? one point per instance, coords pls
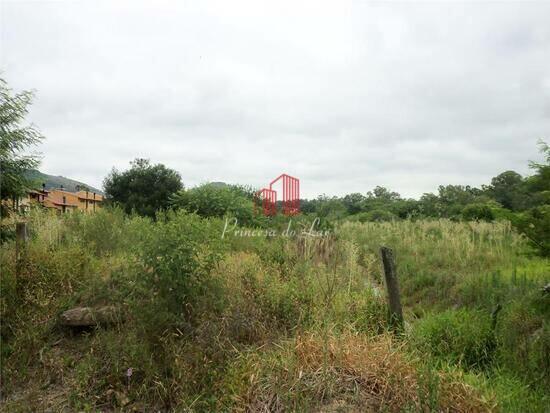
(21, 237)
(396, 312)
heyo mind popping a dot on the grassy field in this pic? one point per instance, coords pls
(273, 323)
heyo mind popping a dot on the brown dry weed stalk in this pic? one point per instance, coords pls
(351, 373)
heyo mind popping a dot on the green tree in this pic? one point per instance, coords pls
(379, 215)
(509, 190)
(535, 222)
(450, 200)
(406, 208)
(354, 202)
(380, 198)
(478, 212)
(330, 207)
(535, 225)
(430, 206)
(383, 194)
(212, 200)
(458, 194)
(144, 188)
(539, 184)
(15, 138)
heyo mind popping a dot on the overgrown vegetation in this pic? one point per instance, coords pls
(144, 188)
(273, 323)
(274, 315)
(524, 201)
(16, 137)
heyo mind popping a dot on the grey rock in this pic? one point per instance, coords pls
(89, 316)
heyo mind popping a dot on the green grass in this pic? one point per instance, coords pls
(282, 323)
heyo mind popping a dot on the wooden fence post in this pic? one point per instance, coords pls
(21, 237)
(396, 312)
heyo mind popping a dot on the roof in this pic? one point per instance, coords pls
(89, 195)
(63, 204)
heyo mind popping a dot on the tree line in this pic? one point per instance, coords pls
(524, 201)
(147, 188)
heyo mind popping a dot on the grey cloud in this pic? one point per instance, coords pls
(344, 95)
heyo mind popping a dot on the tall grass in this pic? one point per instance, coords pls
(271, 323)
(435, 258)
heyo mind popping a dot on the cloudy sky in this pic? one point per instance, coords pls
(344, 95)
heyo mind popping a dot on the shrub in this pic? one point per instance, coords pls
(380, 215)
(144, 188)
(461, 337)
(259, 302)
(377, 215)
(478, 212)
(212, 200)
(105, 232)
(524, 337)
(535, 224)
(177, 254)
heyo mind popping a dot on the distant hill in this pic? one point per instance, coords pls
(52, 181)
(219, 184)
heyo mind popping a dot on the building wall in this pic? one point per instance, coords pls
(63, 200)
(60, 200)
(89, 201)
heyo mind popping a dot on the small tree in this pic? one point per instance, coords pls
(144, 188)
(539, 183)
(354, 202)
(478, 212)
(509, 190)
(15, 138)
(535, 222)
(211, 200)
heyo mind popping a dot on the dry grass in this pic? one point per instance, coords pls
(459, 245)
(349, 373)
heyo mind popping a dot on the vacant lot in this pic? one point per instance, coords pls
(201, 323)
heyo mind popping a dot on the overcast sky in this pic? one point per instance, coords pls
(343, 95)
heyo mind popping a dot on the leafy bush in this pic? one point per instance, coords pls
(259, 302)
(380, 215)
(462, 337)
(524, 337)
(144, 188)
(16, 140)
(377, 215)
(478, 212)
(177, 254)
(535, 224)
(212, 200)
(105, 232)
